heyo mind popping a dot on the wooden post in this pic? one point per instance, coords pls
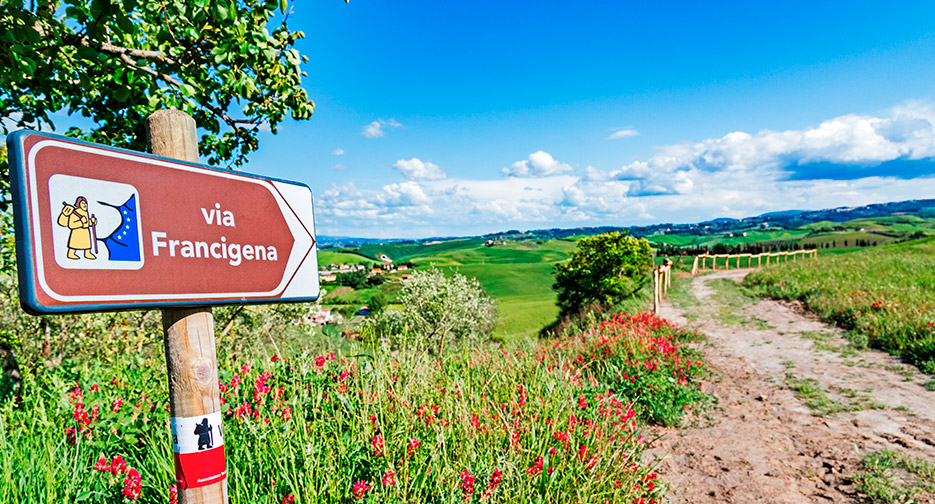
(191, 357)
(695, 266)
(655, 290)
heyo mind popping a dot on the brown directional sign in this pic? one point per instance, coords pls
(100, 228)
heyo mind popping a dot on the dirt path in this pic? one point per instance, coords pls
(764, 442)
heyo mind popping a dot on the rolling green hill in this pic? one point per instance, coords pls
(518, 275)
(326, 257)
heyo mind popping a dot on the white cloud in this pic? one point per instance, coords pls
(405, 194)
(834, 163)
(416, 169)
(377, 129)
(846, 143)
(337, 152)
(338, 167)
(539, 164)
(623, 133)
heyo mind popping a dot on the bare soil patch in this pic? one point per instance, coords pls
(798, 408)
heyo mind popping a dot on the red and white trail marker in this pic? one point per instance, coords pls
(198, 447)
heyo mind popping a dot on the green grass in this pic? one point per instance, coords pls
(822, 404)
(711, 240)
(825, 341)
(884, 296)
(732, 298)
(556, 421)
(844, 239)
(891, 477)
(326, 257)
(518, 275)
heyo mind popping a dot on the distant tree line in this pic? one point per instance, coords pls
(742, 248)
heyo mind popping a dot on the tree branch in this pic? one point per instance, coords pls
(115, 50)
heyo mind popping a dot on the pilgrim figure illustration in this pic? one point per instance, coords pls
(205, 433)
(95, 224)
(83, 226)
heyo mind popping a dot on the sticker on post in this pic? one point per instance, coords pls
(198, 446)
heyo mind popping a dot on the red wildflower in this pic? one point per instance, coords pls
(118, 466)
(467, 484)
(413, 445)
(359, 489)
(495, 479)
(288, 499)
(173, 495)
(389, 478)
(115, 407)
(536, 468)
(132, 484)
(75, 395)
(319, 361)
(377, 444)
(102, 464)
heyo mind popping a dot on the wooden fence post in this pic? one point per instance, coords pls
(191, 356)
(655, 290)
(695, 266)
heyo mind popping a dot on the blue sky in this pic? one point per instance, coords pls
(459, 118)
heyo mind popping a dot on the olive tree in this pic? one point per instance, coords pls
(437, 308)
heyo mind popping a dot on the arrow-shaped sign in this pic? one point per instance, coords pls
(100, 228)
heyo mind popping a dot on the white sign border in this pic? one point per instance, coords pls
(34, 210)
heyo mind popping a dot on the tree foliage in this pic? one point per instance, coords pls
(603, 269)
(226, 63)
(436, 309)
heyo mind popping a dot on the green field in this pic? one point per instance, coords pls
(518, 275)
(326, 257)
(711, 240)
(885, 296)
(844, 239)
(364, 425)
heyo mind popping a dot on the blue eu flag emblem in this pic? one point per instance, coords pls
(123, 243)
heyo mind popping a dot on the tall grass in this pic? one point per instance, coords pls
(884, 296)
(539, 422)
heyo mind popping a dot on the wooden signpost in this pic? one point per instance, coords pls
(101, 229)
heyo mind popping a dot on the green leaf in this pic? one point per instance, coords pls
(122, 94)
(282, 6)
(87, 53)
(84, 496)
(222, 10)
(125, 24)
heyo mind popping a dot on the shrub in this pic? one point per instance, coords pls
(602, 270)
(436, 308)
